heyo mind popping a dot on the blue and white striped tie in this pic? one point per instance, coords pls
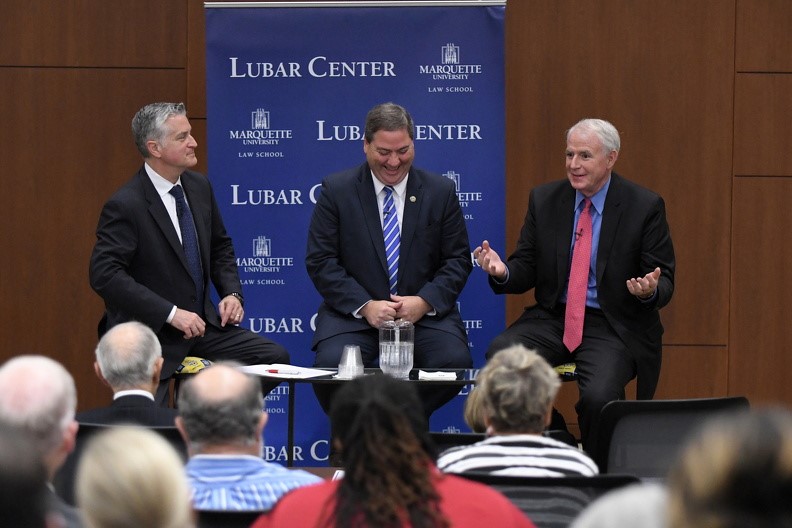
(390, 230)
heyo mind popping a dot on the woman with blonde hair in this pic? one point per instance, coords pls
(735, 473)
(130, 477)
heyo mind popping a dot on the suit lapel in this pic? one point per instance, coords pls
(371, 216)
(611, 215)
(413, 201)
(161, 218)
(564, 221)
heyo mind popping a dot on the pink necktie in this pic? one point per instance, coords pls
(578, 281)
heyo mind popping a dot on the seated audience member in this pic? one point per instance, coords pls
(390, 479)
(221, 418)
(129, 361)
(23, 481)
(38, 399)
(474, 412)
(637, 505)
(131, 477)
(517, 389)
(735, 473)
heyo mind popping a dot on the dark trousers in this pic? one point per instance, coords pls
(434, 349)
(604, 364)
(234, 344)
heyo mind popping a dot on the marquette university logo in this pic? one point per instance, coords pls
(451, 68)
(260, 133)
(465, 198)
(263, 262)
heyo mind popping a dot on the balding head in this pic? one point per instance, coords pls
(221, 409)
(129, 356)
(38, 398)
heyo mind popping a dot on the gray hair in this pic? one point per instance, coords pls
(389, 117)
(518, 387)
(209, 419)
(149, 123)
(127, 354)
(37, 397)
(604, 130)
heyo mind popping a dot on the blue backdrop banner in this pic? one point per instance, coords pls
(288, 89)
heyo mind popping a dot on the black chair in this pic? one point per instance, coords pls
(64, 480)
(643, 437)
(226, 519)
(552, 502)
(443, 441)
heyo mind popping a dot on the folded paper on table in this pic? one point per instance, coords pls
(424, 375)
(282, 370)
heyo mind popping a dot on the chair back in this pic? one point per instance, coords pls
(226, 519)
(443, 441)
(552, 502)
(643, 437)
(65, 479)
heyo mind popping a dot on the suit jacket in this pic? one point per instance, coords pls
(634, 240)
(138, 264)
(71, 515)
(131, 409)
(346, 251)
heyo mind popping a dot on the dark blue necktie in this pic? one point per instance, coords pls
(190, 243)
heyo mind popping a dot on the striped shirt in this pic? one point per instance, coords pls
(241, 482)
(520, 456)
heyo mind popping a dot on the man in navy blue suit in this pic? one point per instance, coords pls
(129, 361)
(346, 255)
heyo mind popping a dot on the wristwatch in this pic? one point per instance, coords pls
(239, 297)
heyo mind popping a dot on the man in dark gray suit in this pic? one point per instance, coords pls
(129, 361)
(160, 242)
(626, 278)
(346, 255)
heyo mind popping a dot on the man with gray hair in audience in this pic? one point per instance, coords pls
(38, 399)
(221, 417)
(518, 390)
(129, 361)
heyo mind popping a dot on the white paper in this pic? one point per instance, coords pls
(284, 371)
(424, 375)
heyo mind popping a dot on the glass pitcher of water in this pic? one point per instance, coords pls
(396, 348)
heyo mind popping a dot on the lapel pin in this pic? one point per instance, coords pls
(412, 199)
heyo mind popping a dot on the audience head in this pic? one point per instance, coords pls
(518, 388)
(38, 398)
(129, 356)
(149, 123)
(130, 477)
(23, 482)
(736, 472)
(378, 424)
(474, 411)
(221, 410)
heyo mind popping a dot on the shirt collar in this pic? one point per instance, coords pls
(162, 185)
(400, 188)
(133, 392)
(597, 201)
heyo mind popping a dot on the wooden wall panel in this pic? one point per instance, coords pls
(663, 72)
(762, 124)
(764, 41)
(761, 329)
(66, 145)
(665, 80)
(93, 33)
